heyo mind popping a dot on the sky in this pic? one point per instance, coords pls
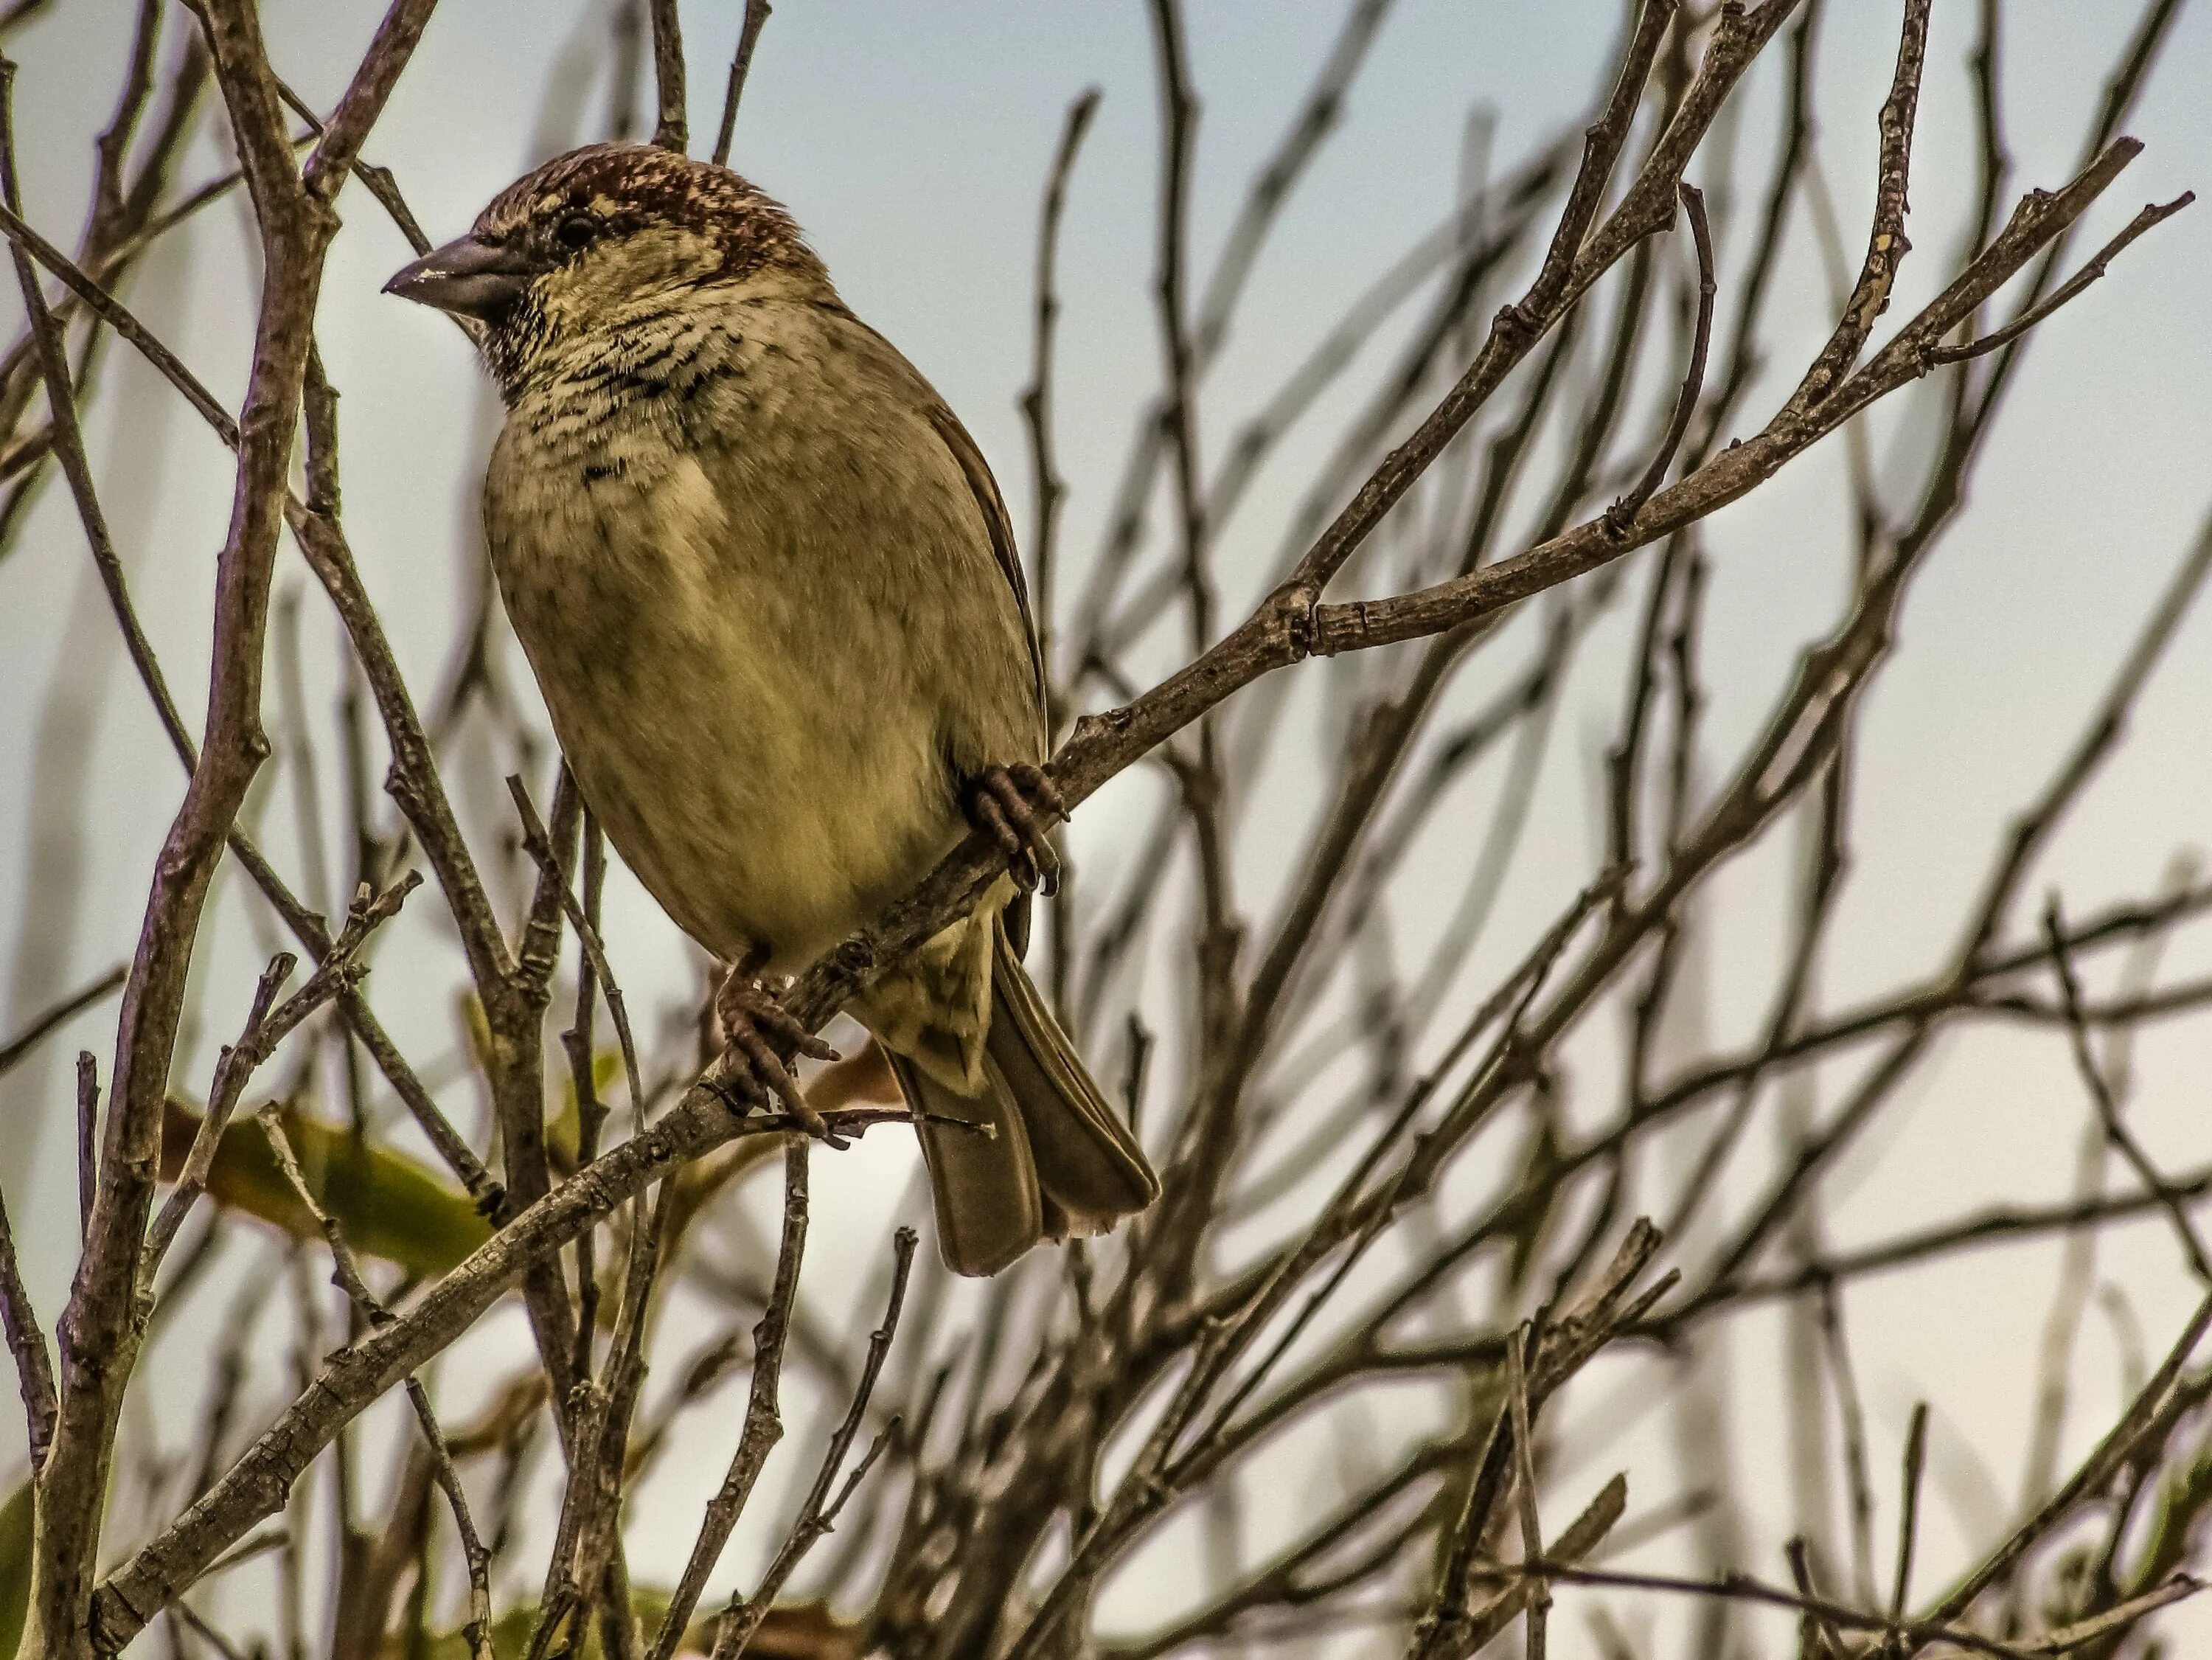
(912, 142)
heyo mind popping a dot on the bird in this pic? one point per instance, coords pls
(771, 595)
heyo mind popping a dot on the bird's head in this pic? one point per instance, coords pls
(598, 238)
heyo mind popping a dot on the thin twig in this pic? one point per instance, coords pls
(1742, 1588)
(1887, 246)
(672, 131)
(1538, 1603)
(267, 1025)
(88, 1137)
(43, 1024)
(741, 1619)
(1908, 1525)
(2156, 213)
(2107, 1103)
(741, 63)
(27, 1342)
(1621, 512)
(538, 841)
(2143, 1416)
(1036, 400)
(763, 1424)
(477, 1632)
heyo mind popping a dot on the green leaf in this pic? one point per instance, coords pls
(511, 1632)
(389, 1205)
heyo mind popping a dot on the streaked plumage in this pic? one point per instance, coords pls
(770, 594)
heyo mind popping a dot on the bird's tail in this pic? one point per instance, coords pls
(1047, 1157)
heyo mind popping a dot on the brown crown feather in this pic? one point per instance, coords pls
(628, 188)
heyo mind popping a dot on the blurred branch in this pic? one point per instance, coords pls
(42, 1024)
(2145, 1416)
(2107, 1103)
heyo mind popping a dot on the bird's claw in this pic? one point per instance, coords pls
(758, 1034)
(1015, 805)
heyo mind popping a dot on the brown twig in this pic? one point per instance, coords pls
(2107, 1101)
(1908, 1525)
(538, 843)
(1742, 1588)
(27, 1342)
(763, 1422)
(378, 180)
(347, 1272)
(1887, 246)
(741, 1619)
(88, 1138)
(741, 63)
(671, 130)
(1621, 512)
(1538, 1601)
(1261, 209)
(266, 1027)
(2144, 1416)
(1036, 399)
(1996, 339)
(69, 439)
(44, 1024)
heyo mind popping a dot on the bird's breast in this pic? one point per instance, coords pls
(750, 738)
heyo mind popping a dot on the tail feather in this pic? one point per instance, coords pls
(1086, 1159)
(989, 1208)
(1047, 1158)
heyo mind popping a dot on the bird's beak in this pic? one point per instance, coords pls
(467, 278)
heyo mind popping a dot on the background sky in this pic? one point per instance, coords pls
(912, 142)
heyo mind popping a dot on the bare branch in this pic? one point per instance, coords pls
(672, 129)
(2154, 214)
(478, 1631)
(42, 1024)
(27, 1342)
(763, 1424)
(741, 63)
(2107, 1103)
(742, 1619)
(1625, 509)
(1885, 243)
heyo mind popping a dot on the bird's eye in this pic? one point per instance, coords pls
(576, 232)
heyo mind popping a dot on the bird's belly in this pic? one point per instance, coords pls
(759, 767)
(746, 845)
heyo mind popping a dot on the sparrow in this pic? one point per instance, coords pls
(770, 593)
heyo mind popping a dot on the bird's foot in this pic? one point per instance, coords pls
(1015, 807)
(758, 1035)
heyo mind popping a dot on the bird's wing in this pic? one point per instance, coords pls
(977, 471)
(995, 520)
